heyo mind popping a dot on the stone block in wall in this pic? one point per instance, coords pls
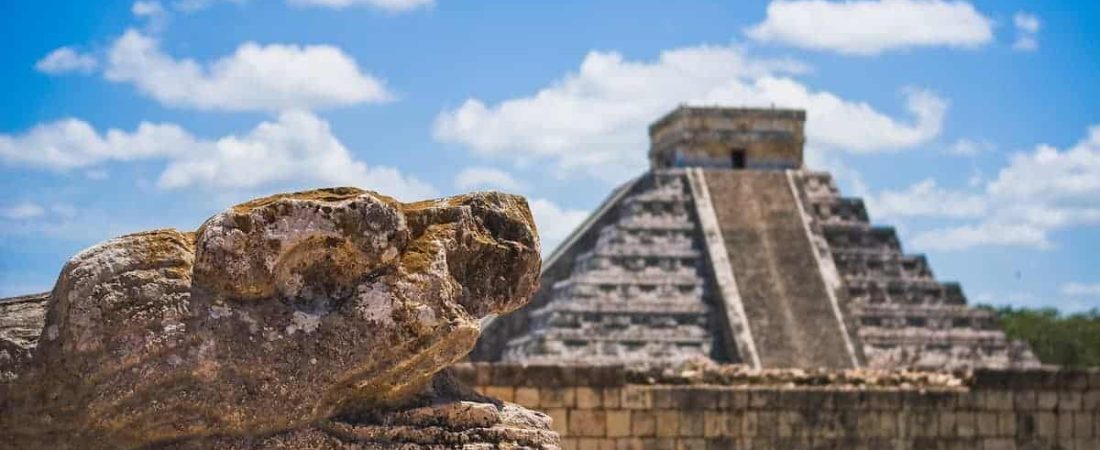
(969, 401)
(1082, 424)
(723, 443)
(789, 424)
(663, 398)
(618, 423)
(557, 397)
(846, 400)
(1006, 423)
(484, 374)
(587, 423)
(988, 425)
(692, 423)
(947, 423)
(806, 399)
(668, 423)
(630, 443)
(637, 397)
(869, 425)
(888, 424)
(551, 376)
(691, 444)
(659, 444)
(509, 375)
(588, 397)
(695, 397)
(643, 423)
(733, 399)
(1065, 425)
(883, 400)
(1088, 444)
(1025, 401)
(766, 425)
(559, 420)
(763, 398)
(600, 376)
(716, 424)
(612, 398)
(504, 393)
(1069, 400)
(591, 444)
(749, 421)
(999, 400)
(1090, 401)
(527, 396)
(999, 444)
(922, 423)
(1047, 400)
(966, 424)
(735, 424)
(1046, 424)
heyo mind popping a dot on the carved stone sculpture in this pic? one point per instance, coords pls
(277, 319)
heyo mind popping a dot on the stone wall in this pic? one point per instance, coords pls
(611, 408)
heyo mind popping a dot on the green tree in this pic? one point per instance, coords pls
(1067, 340)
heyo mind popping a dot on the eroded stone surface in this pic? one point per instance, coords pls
(444, 415)
(276, 313)
(21, 321)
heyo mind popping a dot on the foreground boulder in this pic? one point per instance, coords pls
(308, 320)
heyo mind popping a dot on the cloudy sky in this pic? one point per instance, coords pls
(972, 127)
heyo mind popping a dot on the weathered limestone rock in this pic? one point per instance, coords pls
(445, 415)
(20, 325)
(275, 316)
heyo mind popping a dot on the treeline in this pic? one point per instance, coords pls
(1068, 340)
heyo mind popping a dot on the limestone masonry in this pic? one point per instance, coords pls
(313, 320)
(693, 407)
(729, 249)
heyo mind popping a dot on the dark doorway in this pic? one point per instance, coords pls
(737, 158)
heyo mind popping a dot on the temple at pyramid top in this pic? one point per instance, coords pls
(729, 249)
(728, 138)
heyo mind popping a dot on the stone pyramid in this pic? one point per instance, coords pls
(729, 249)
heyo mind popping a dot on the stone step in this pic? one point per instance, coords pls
(781, 287)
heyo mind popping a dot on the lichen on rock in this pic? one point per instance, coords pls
(277, 315)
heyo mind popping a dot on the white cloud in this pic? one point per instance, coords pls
(926, 199)
(1081, 289)
(147, 9)
(255, 77)
(22, 211)
(871, 27)
(1035, 194)
(970, 147)
(983, 234)
(72, 143)
(190, 6)
(152, 12)
(554, 222)
(297, 149)
(66, 60)
(386, 5)
(1027, 30)
(593, 121)
(486, 177)
(298, 144)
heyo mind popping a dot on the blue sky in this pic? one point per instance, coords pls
(974, 127)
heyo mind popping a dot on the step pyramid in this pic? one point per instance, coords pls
(729, 249)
